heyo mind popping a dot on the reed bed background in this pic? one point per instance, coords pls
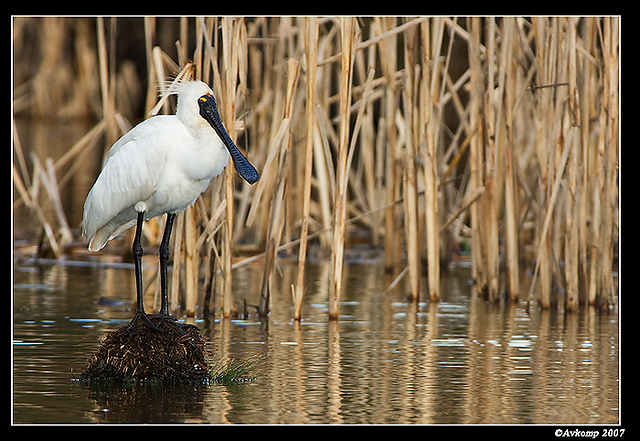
(426, 136)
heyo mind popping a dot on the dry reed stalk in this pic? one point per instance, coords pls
(388, 61)
(209, 260)
(587, 176)
(429, 94)
(178, 257)
(511, 227)
(347, 32)
(182, 44)
(610, 202)
(476, 163)
(598, 192)
(227, 243)
(152, 80)
(107, 84)
(160, 74)
(510, 196)
(51, 186)
(490, 214)
(324, 176)
(230, 75)
(546, 34)
(493, 160)
(571, 255)
(191, 261)
(277, 210)
(364, 174)
(240, 91)
(31, 203)
(397, 280)
(567, 147)
(48, 178)
(410, 98)
(572, 195)
(368, 159)
(311, 53)
(269, 115)
(199, 52)
(355, 177)
(413, 242)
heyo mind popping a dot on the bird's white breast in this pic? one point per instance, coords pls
(191, 163)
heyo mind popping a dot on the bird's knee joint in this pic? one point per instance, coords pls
(137, 249)
(164, 254)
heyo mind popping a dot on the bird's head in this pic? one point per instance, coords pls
(192, 92)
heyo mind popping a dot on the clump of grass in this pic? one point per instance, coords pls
(234, 370)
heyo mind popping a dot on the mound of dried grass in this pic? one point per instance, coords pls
(140, 354)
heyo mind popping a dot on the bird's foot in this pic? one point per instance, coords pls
(142, 319)
(173, 321)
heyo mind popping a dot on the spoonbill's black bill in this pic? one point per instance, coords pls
(209, 111)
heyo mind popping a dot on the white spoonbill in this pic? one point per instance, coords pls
(160, 166)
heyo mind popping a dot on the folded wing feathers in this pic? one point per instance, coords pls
(130, 175)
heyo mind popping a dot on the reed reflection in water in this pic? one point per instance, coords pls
(385, 361)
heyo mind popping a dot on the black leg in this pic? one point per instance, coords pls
(164, 285)
(164, 259)
(137, 261)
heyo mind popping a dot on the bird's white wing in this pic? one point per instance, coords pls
(130, 175)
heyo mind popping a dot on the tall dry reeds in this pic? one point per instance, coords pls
(311, 57)
(426, 134)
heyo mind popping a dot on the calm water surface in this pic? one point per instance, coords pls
(386, 361)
